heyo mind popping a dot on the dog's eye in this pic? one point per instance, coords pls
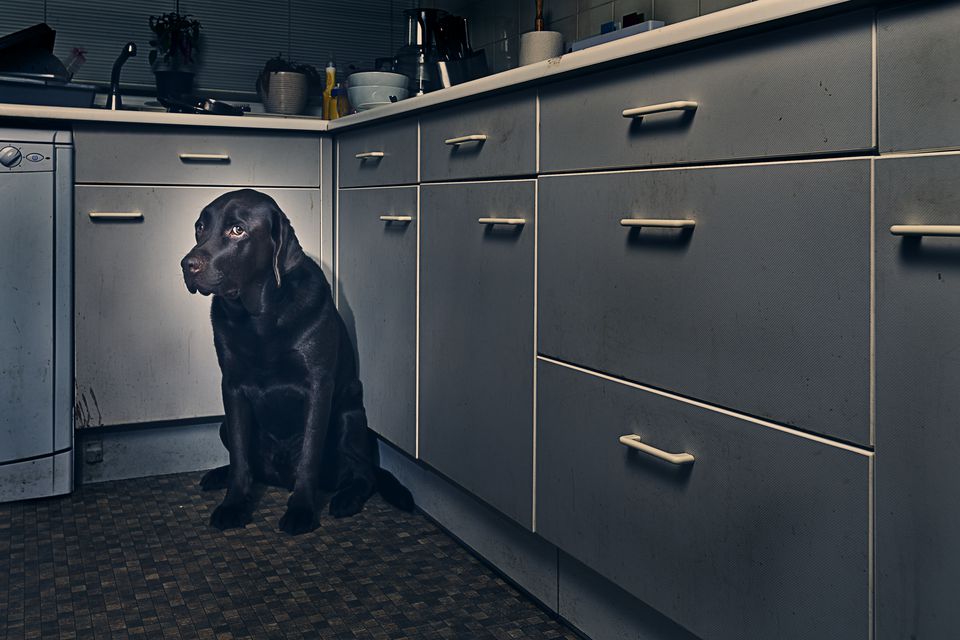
(236, 231)
(199, 228)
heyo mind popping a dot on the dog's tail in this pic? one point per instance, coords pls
(392, 491)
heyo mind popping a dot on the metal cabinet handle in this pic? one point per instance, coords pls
(678, 105)
(397, 218)
(476, 137)
(115, 215)
(204, 157)
(363, 155)
(513, 221)
(925, 230)
(664, 224)
(633, 441)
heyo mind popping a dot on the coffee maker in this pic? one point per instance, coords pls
(418, 58)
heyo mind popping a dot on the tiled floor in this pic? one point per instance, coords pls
(136, 559)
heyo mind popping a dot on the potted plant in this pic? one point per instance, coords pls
(284, 85)
(176, 42)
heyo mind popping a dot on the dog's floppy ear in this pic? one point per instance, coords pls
(286, 248)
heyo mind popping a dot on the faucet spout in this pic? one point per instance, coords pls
(113, 100)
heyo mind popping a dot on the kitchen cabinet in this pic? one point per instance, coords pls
(377, 156)
(377, 297)
(761, 304)
(758, 533)
(918, 408)
(918, 48)
(144, 346)
(801, 90)
(491, 138)
(476, 339)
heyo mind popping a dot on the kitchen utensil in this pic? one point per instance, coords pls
(193, 104)
(378, 79)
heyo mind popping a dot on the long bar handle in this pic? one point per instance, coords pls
(633, 441)
(475, 137)
(397, 218)
(363, 155)
(653, 222)
(677, 105)
(925, 230)
(204, 157)
(513, 221)
(115, 215)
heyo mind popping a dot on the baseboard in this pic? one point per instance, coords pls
(137, 452)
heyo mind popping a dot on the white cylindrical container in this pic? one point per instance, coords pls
(540, 45)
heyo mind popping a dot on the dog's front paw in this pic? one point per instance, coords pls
(298, 519)
(230, 516)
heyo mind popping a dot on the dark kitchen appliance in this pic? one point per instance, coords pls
(31, 74)
(418, 58)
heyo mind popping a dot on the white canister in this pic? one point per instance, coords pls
(540, 45)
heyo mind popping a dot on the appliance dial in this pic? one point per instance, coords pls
(9, 156)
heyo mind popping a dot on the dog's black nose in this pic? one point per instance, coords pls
(193, 264)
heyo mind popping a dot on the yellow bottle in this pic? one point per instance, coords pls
(328, 89)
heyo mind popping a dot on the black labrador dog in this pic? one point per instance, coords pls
(292, 400)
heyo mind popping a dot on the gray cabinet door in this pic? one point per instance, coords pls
(381, 155)
(27, 315)
(144, 345)
(377, 297)
(801, 90)
(476, 340)
(918, 50)
(918, 404)
(764, 535)
(196, 155)
(764, 307)
(508, 126)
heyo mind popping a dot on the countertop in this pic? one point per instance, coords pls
(711, 25)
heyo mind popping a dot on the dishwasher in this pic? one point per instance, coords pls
(36, 313)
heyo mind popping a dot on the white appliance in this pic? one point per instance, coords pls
(36, 313)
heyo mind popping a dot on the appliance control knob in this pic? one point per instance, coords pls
(9, 156)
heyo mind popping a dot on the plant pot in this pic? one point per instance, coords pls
(173, 83)
(284, 92)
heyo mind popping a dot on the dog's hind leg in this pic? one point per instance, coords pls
(355, 463)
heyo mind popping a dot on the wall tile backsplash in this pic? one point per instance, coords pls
(495, 25)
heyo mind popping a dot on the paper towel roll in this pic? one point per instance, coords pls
(540, 45)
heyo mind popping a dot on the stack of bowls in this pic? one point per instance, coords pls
(370, 89)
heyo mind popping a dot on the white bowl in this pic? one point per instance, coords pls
(364, 95)
(377, 79)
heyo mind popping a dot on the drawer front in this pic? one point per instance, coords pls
(764, 535)
(763, 306)
(375, 156)
(491, 138)
(144, 345)
(476, 340)
(918, 409)
(795, 91)
(377, 297)
(918, 49)
(164, 155)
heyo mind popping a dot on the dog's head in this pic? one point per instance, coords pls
(244, 240)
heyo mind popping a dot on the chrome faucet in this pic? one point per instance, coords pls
(113, 100)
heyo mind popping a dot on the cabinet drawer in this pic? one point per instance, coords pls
(918, 408)
(144, 345)
(801, 90)
(764, 535)
(490, 138)
(918, 48)
(763, 306)
(165, 155)
(377, 297)
(476, 340)
(382, 155)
